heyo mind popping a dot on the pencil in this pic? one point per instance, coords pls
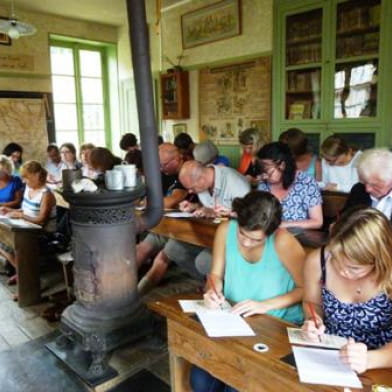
(313, 314)
(213, 287)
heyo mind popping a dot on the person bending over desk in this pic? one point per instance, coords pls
(260, 265)
(38, 206)
(350, 283)
(298, 193)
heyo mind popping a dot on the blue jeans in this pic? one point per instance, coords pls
(202, 381)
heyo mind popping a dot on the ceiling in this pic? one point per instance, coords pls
(113, 12)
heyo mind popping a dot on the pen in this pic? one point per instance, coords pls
(212, 285)
(313, 314)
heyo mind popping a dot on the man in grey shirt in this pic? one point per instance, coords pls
(216, 187)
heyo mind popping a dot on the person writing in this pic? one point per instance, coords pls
(256, 266)
(349, 284)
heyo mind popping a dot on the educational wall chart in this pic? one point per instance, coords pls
(235, 97)
(23, 121)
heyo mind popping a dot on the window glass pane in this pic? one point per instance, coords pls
(90, 63)
(91, 90)
(63, 89)
(65, 115)
(356, 90)
(67, 137)
(61, 60)
(95, 136)
(93, 117)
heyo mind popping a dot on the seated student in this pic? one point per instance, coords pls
(11, 187)
(14, 151)
(102, 159)
(133, 156)
(54, 166)
(38, 206)
(84, 155)
(216, 187)
(375, 189)
(255, 265)
(305, 160)
(339, 172)
(298, 193)
(207, 153)
(350, 283)
(68, 156)
(251, 141)
(185, 144)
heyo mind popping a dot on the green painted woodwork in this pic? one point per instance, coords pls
(231, 152)
(108, 53)
(381, 124)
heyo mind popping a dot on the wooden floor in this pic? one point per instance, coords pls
(22, 325)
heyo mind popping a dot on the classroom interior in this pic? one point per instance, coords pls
(331, 77)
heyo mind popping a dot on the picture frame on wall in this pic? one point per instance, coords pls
(4, 38)
(179, 128)
(212, 23)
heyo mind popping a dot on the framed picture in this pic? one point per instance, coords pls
(179, 128)
(212, 23)
(4, 38)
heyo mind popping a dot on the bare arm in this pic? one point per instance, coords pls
(315, 220)
(218, 267)
(177, 196)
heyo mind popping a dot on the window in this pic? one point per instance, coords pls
(79, 84)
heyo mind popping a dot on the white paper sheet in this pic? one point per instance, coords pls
(219, 323)
(318, 366)
(296, 336)
(179, 214)
(197, 305)
(23, 223)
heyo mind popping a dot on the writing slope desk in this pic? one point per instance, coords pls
(233, 360)
(25, 241)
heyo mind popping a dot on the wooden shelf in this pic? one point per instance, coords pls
(175, 95)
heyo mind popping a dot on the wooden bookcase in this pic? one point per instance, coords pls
(175, 95)
(331, 68)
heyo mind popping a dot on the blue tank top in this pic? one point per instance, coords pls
(367, 322)
(8, 192)
(267, 278)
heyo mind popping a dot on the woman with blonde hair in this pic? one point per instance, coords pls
(251, 140)
(349, 282)
(38, 206)
(338, 166)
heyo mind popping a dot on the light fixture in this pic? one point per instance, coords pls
(13, 28)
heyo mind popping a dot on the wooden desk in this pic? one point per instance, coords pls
(233, 360)
(25, 242)
(201, 232)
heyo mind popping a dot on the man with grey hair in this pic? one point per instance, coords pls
(375, 186)
(216, 187)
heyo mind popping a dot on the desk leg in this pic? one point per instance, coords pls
(28, 258)
(179, 374)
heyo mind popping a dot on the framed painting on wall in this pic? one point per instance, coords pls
(212, 23)
(179, 128)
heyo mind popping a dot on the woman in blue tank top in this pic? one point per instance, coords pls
(256, 266)
(350, 283)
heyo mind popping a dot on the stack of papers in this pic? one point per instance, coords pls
(179, 214)
(218, 322)
(318, 366)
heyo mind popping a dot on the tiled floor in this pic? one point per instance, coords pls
(22, 325)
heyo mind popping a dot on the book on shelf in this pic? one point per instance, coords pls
(300, 110)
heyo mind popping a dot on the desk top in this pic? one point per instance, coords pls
(269, 330)
(18, 224)
(201, 232)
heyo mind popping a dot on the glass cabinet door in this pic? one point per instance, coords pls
(303, 65)
(356, 64)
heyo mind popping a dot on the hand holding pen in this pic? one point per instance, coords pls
(213, 298)
(314, 327)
